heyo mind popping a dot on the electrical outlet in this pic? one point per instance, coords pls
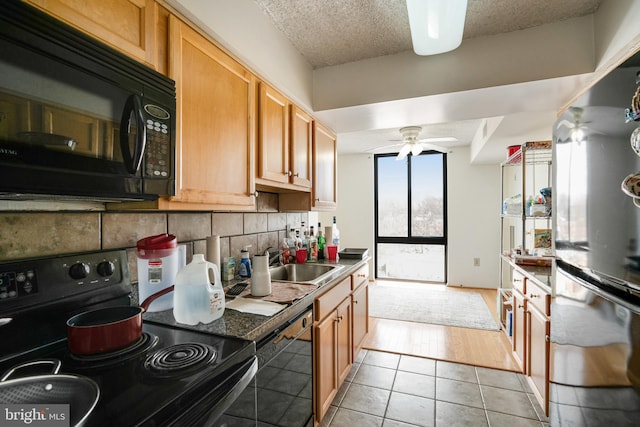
(476, 262)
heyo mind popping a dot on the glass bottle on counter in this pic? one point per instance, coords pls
(335, 234)
(321, 242)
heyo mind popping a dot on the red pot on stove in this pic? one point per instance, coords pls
(107, 329)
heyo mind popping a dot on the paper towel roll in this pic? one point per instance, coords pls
(328, 235)
(213, 250)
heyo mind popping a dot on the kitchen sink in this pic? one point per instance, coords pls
(318, 274)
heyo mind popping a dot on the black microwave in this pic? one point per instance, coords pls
(77, 118)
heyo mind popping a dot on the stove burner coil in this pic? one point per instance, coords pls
(145, 343)
(179, 359)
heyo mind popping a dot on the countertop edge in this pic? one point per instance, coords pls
(254, 327)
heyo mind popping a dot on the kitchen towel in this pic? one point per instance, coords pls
(254, 306)
(213, 250)
(283, 292)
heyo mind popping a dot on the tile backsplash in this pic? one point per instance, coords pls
(32, 234)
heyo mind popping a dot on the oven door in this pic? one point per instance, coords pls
(77, 118)
(595, 357)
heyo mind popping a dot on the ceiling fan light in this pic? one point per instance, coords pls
(577, 134)
(436, 25)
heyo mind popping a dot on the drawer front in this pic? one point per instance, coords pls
(539, 298)
(519, 282)
(327, 302)
(359, 277)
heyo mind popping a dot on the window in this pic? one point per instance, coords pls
(410, 217)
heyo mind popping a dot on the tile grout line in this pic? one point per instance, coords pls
(484, 403)
(395, 375)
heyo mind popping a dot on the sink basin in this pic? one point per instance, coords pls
(305, 273)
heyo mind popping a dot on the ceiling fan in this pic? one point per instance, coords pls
(414, 145)
(577, 129)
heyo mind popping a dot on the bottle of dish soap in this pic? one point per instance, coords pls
(198, 295)
(244, 270)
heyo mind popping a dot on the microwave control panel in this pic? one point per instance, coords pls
(157, 158)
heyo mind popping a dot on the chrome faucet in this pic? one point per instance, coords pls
(275, 258)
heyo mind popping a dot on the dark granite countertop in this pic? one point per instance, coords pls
(252, 326)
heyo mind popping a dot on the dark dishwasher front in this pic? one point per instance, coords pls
(284, 379)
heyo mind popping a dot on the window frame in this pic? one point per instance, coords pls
(412, 240)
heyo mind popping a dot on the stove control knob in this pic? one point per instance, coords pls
(106, 268)
(79, 271)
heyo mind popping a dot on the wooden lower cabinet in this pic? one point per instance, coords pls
(341, 326)
(520, 329)
(531, 335)
(360, 312)
(539, 329)
(360, 308)
(332, 342)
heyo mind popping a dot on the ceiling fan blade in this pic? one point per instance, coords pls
(383, 148)
(404, 151)
(416, 149)
(565, 123)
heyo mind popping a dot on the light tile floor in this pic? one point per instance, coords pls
(389, 390)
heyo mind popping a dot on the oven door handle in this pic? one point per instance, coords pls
(132, 115)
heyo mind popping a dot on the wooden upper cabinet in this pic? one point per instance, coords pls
(126, 25)
(284, 143)
(324, 195)
(325, 162)
(301, 146)
(215, 122)
(273, 139)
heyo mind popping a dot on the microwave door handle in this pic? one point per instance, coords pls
(133, 112)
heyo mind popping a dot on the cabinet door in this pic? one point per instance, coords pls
(519, 329)
(325, 162)
(360, 299)
(301, 146)
(326, 379)
(126, 25)
(343, 347)
(216, 134)
(538, 357)
(273, 141)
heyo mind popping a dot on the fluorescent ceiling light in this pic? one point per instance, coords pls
(436, 25)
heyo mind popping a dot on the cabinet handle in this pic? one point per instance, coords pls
(255, 194)
(547, 338)
(288, 173)
(317, 199)
(296, 174)
(532, 296)
(355, 301)
(520, 306)
(362, 275)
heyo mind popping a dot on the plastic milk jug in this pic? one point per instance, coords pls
(198, 295)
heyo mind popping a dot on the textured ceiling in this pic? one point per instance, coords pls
(332, 32)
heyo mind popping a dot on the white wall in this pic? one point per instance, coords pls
(242, 28)
(354, 214)
(473, 205)
(473, 208)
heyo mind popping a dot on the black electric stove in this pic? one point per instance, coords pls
(170, 376)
